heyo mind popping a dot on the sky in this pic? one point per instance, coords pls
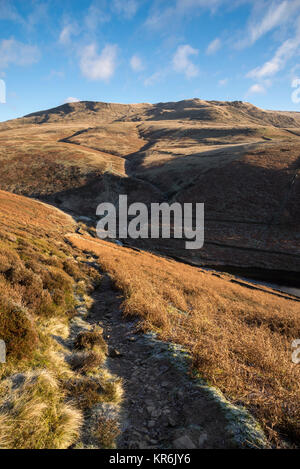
(129, 51)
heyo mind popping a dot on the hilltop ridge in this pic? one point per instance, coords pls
(189, 109)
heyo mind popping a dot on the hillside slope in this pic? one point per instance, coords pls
(54, 371)
(239, 338)
(241, 161)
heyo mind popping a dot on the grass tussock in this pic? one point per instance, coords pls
(86, 391)
(107, 431)
(33, 413)
(91, 340)
(86, 362)
(239, 339)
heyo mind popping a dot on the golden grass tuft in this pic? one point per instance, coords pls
(107, 431)
(33, 413)
(86, 362)
(90, 340)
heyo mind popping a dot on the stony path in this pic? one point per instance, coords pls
(162, 408)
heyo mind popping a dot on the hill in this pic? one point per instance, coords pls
(241, 161)
(86, 322)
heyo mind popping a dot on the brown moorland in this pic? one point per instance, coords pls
(41, 277)
(239, 339)
(241, 161)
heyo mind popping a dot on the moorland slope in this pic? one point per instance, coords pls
(241, 161)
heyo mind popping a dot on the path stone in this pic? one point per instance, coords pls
(184, 442)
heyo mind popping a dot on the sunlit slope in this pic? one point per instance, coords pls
(240, 339)
(241, 161)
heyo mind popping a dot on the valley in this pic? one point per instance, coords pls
(228, 312)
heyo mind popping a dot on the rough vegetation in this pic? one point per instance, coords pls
(56, 390)
(241, 161)
(239, 339)
(42, 397)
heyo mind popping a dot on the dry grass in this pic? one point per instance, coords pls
(86, 391)
(90, 341)
(33, 414)
(38, 272)
(107, 431)
(240, 340)
(86, 362)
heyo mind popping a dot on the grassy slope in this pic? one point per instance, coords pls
(43, 396)
(241, 161)
(240, 340)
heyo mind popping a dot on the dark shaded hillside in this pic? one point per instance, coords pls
(241, 161)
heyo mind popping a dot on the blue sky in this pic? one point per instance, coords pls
(128, 51)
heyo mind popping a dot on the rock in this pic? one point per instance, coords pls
(153, 442)
(150, 409)
(82, 218)
(184, 442)
(114, 353)
(11, 238)
(171, 422)
(202, 439)
(151, 423)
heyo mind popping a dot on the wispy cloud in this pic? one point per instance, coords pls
(257, 88)
(182, 62)
(155, 78)
(126, 8)
(9, 12)
(17, 53)
(223, 82)
(214, 46)
(96, 15)
(266, 17)
(161, 16)
(55, 74)
(71, 100)
(98, 67)
(67, 32)
(136, 63)
(284, 53)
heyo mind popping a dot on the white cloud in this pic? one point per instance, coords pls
(296, 92)
(214, 46)
(71, 100)
(66, 33)
(95, 16)
(161, 18)
(182, 62)
(275, 15)
(257, 88)
(267, 16)
(136, 63)
(17, 53)
(223, 82)
(126, 8)
(284, 53)
(9, 12)
(98, 67)
(154, 78)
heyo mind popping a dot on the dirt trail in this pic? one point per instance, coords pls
(162, 407)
